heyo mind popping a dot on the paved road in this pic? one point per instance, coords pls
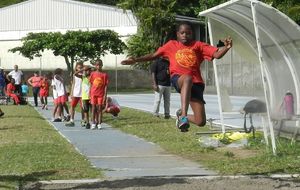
(145, 102)
(123, 155)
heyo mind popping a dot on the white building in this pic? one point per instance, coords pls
(57, 15)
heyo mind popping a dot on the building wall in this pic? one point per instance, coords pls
(48, 61)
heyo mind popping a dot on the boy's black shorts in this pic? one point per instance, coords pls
(196, 92)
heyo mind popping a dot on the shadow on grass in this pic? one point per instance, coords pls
(122, 183)
(21, 180)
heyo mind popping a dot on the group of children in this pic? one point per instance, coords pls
(89, 89)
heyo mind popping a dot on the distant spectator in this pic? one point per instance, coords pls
(44, 91)
(161, 85)
(11, 92)
(35, 82)
(112, 106)
(25, 90)
(2, 82)
(99, 83)
(18, 76)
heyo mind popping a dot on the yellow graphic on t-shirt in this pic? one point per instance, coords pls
(186, 57)
(98, 82)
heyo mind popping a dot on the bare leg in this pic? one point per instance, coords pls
(100, 114)
(66, 108)
(199, 117)
(94, 110)
(185, 84)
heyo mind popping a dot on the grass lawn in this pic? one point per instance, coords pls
(32, 150)
(252, 159)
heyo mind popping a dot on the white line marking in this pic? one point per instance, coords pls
(139, 156)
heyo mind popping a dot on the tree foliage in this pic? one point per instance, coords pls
(290, 7)
(73, 45)
(155, 20)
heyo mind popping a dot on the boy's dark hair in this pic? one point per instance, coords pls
(78, 63)
(58, 71)
(184, 23)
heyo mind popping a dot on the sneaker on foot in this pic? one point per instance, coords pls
(178, 114)
(88, 126)
(57, 120)
(156, 115)
(99, 126)
(93, 126)
(183, 124)
(83, 123)
(167, 116)
(70, 124)
(68, 118)
(1, 114)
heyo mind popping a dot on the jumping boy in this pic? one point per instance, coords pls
(185, 56)
(99, 82)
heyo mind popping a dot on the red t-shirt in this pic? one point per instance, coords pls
(98, 82)
(44, 85)
(35, 81)
(187, 59)
(10, 88)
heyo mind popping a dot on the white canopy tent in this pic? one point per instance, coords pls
(266, 39)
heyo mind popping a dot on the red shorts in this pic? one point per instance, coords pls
(62, 99)
(113, 109)
(44, 93)
(75, 100)
(96, 100)
(55, 101)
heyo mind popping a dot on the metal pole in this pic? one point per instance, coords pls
(216, 79)
(40, 72)
(116, 73)
(206, 41)
(262, 65)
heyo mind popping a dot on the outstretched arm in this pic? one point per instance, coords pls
(221, 52)
(132, 60)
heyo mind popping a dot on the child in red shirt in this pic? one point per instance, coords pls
(10, 91)
(99, 82)
(44, 91)
(185, 56)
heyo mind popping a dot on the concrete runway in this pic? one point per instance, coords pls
(145, 102)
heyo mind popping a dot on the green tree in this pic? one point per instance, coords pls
(155, 20)
(73, 45)
(289, 7)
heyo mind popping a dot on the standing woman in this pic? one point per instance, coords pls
(35, 82)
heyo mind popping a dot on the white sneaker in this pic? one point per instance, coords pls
(99, 126)
(93, 126)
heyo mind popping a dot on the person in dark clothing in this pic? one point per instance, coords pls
(161, 85)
